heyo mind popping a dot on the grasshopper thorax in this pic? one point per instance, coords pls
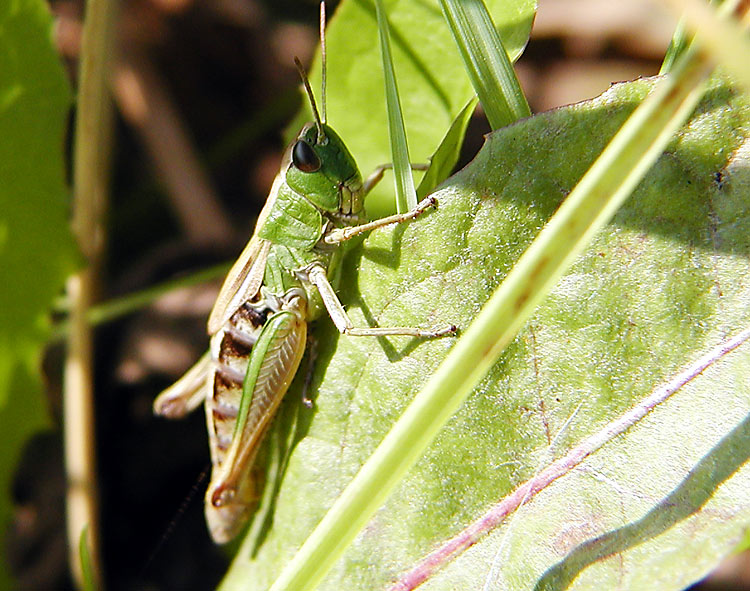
(323, 170)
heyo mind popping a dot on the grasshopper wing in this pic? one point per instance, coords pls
(242, 283)
(246, 275)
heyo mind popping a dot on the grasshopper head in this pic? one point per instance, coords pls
(323, 170)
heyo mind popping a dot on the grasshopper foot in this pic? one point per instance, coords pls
(442, 332)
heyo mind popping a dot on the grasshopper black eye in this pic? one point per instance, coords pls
(304, 157)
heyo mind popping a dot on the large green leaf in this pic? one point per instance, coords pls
(431, 79)
(36, 249)
(665, 283)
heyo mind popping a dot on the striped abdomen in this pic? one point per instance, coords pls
(262, 345)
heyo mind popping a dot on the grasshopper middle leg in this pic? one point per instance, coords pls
(318, 277)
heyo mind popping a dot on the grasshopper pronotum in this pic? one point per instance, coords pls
(258, 325)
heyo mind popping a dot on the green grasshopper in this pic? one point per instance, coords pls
(282, 280)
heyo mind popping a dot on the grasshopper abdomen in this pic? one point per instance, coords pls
(255, 358)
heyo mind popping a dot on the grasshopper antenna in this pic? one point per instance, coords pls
(306, 82)
(324, 61)
(175, 521)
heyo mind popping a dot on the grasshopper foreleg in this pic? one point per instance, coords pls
(338, 235)
(316, 274)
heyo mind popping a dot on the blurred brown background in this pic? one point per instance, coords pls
(203, 90)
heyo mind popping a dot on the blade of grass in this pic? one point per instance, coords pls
(118, 307)
(113, 309)
(589, 206)
(406, 195)
(87, 568)
(725, 39)
(678, 45)
(448, 152)
(487, 63)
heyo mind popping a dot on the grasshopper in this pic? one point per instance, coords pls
(282, 281)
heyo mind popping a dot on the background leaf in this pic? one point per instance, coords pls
(36, 249)
(660, 287)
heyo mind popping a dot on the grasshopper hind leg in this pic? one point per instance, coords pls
(186, 393)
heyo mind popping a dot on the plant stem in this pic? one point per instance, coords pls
(90, 184)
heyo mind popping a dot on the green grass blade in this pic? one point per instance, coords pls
(678, 45)
(724, 39)
(448, 152)
(406, 195)
(118, 307)
(589, 206)
(87, 567)
(486, 61)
